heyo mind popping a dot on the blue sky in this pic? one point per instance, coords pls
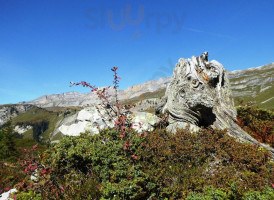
(46, 44)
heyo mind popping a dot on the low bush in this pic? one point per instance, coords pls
(11, 171)
(219, 194)
(158, 165)
(9, 176)
(188, 162)
(28, 195)
(258, 123)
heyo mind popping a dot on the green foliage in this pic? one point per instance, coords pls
(7, 142)
(209, 194)
(159, 165)
(34, 115)
(258, 123)
(79, 186)
(39, 129)
(9, 176)
(267, 194)
(219, 194)
(28, 195)
(11, 150)
(120, 176)
(11, 172)
(188, 162)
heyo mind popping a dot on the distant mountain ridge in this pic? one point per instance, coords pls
(249, 85)
(85, 99)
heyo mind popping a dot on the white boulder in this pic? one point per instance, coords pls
(22, 129)
(95, 118)
(144, 121)
(5, 195)
(89, 119)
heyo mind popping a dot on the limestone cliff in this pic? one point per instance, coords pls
(10, 111)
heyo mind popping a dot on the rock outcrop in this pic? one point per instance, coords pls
(143, 121)
(88, 120)
(22, 129)
(10, 111)
(95, 118)
(199, 95)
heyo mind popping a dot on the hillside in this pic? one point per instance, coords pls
(32, 122)
(254, 85)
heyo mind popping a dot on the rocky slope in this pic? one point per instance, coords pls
(254, 85)
(250, 85)
(10, 111)
(134, 93)
(65, 100)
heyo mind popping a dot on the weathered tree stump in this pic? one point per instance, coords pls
(199, 95)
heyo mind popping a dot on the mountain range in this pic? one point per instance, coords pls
(253, 85)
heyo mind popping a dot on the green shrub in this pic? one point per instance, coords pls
(28, 195)
(204, 165)
(119, 174)
(9, 176)
(220, 194)
(39, 129)
(258, 123)
(7, 143)
(209, 194)
(11, 172)
(188, 162)
(267, 194)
